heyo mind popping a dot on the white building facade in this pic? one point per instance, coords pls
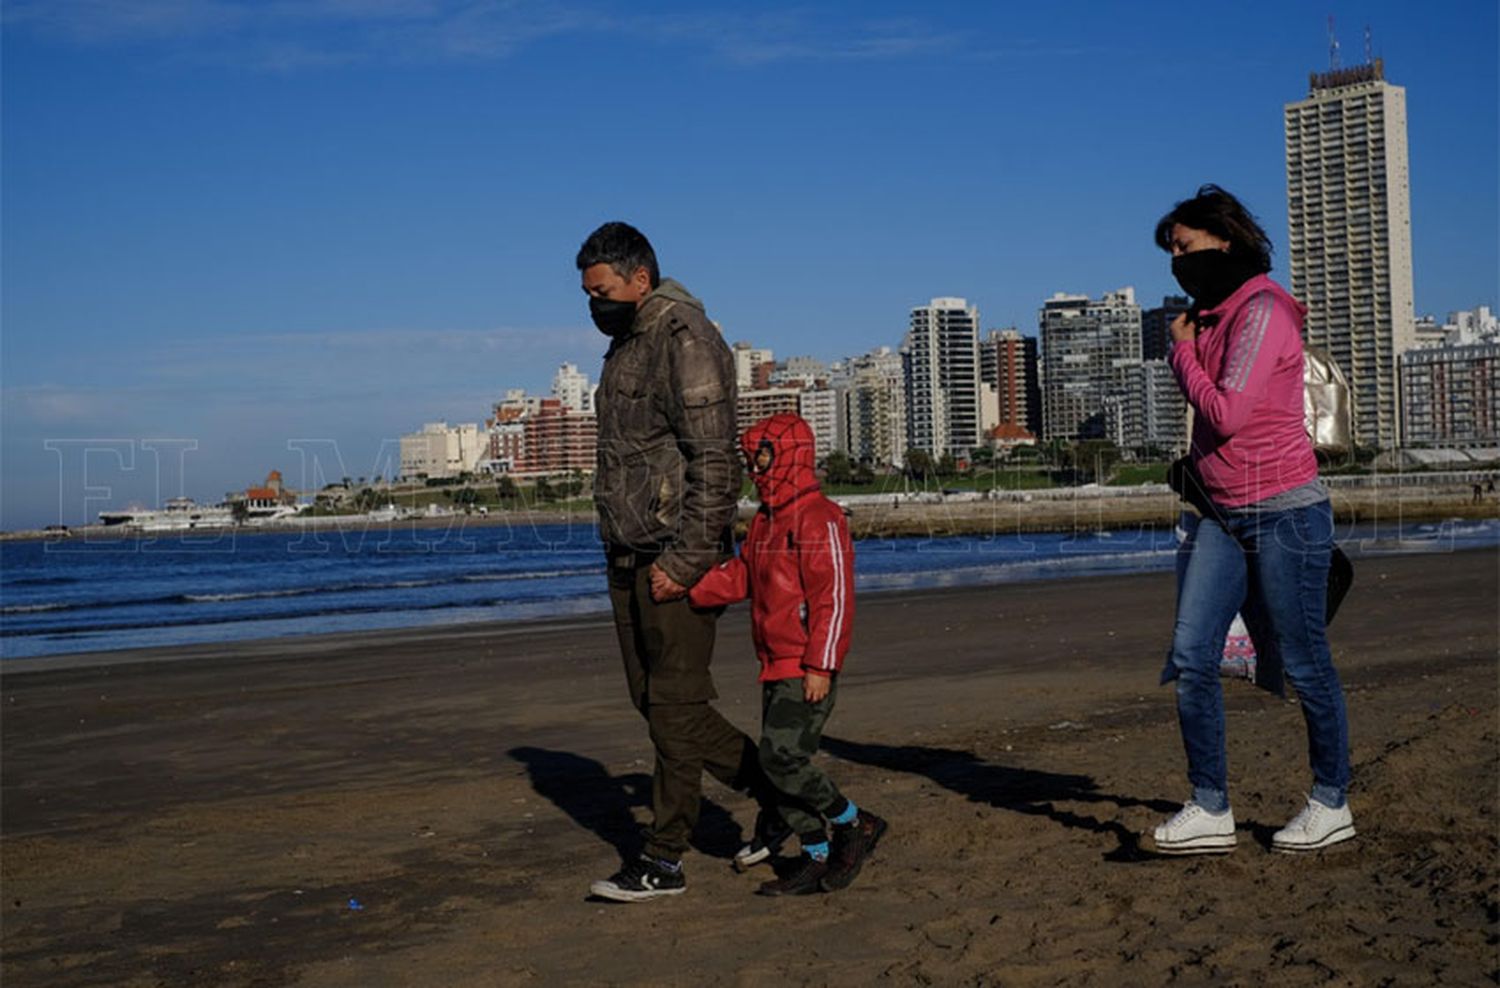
(940, 361)
(571, 387)
(442, 451)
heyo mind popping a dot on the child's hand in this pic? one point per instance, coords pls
(815, 686)
(663, 587)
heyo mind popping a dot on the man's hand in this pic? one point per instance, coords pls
(1184, 329)
(815, 686)
(663, 587)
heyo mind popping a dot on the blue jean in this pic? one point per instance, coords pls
(1275, 565)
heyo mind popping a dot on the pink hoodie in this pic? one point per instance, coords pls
(1243, 377)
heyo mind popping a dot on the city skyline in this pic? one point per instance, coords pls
(303, 228)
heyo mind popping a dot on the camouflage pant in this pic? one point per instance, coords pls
(789, 734)
(666, 650)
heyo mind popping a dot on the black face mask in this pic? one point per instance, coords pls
(1210, 276)
(613, 318)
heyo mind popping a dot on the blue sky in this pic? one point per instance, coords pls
(242, 223)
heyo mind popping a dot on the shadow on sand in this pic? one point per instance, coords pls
(1020, 790)
(603, 803)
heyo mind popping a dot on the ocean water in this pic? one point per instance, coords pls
(75, 595)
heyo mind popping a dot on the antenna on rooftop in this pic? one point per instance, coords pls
(1369, 48)
(1333, 47)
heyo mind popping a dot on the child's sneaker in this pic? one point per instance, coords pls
(771, 832)
(851, 845)
(1194, 830)
(1316, 827)
(805, 880)
(641, 879)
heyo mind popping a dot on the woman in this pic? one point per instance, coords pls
(1237, 354)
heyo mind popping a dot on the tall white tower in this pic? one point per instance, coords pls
(1349, 234)
(941, 362)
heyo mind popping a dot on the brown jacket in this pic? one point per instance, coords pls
(668, 471)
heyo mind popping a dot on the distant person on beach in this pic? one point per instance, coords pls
(796, 566)
(1267, 536)
(666, 487)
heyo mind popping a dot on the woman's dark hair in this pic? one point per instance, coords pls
(623, 248)
(1215, 211)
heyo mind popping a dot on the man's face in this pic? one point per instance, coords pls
(602, 281)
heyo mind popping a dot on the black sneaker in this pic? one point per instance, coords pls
(851, 845)
(641, 879)
(771, 832)
(805, 879)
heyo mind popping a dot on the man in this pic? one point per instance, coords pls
(666, 485)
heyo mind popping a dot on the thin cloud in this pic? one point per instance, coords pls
(56, 405)
(318, 371)
(309, 375)
(103, 22)
(290, 36)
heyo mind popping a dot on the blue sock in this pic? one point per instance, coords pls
(847, 817)
(818, 851)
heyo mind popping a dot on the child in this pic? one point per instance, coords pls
(796, 566)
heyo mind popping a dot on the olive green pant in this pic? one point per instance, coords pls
(790, 730)
(667, 648)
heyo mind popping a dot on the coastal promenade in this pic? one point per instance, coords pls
(428, 807)
(893, 515)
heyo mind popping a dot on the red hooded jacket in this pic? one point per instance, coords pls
(797, 561)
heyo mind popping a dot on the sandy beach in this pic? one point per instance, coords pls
(428, 807)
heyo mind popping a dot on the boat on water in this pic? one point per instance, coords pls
(180, 514)
(183, 514)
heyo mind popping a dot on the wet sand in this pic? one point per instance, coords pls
(217, 820)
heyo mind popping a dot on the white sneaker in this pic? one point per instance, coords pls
(1194, 830)
(1315, 827)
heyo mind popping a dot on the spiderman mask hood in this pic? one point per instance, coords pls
(782, 458)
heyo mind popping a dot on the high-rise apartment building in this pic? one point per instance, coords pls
(558, 440)
(1349, 234)
(752, 405)
(752, 366)
(940, 361)
(798, 372)
(874, 408)
(819, 407)
(533, 436)
(1145, 410)
(1476, 325)
(1081, 340)
(1156, 326)
(1008, 362)
(1450, 395)
(571, 387)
